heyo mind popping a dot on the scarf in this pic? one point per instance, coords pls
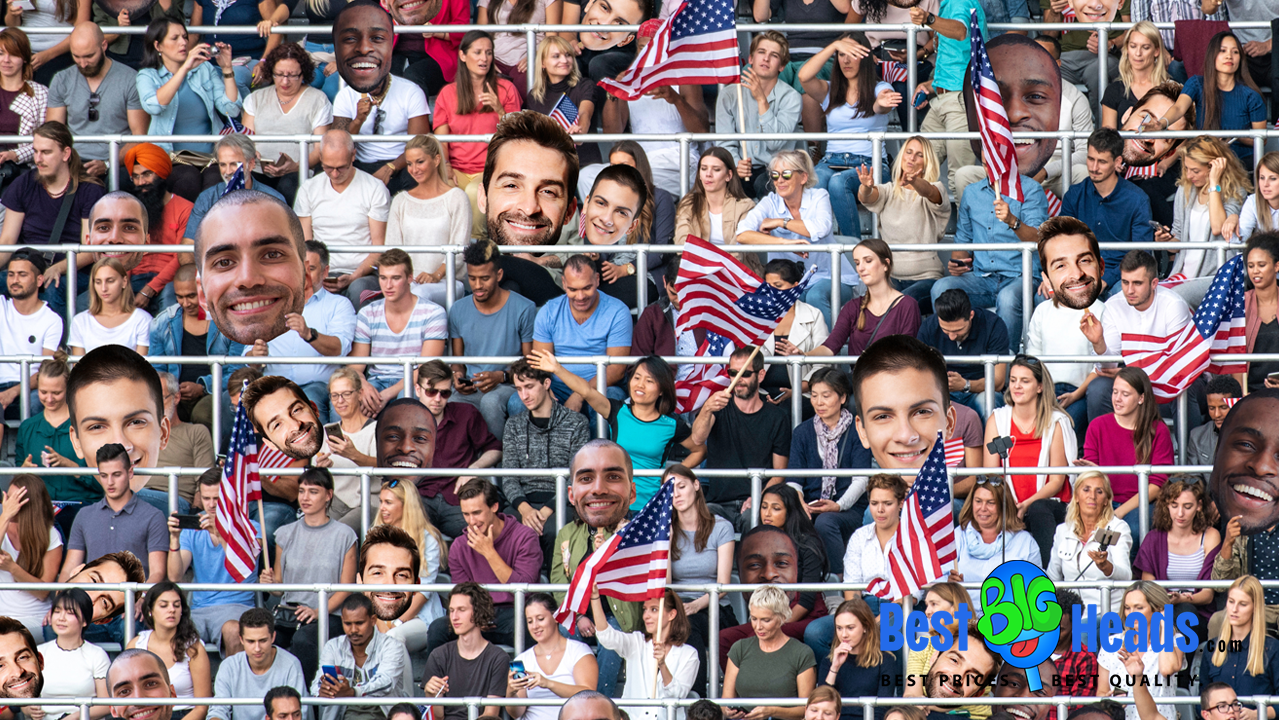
(828, 447)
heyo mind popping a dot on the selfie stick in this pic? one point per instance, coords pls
(1001, 446)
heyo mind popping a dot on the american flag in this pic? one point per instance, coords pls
(1054, 203)
(1218, 328)
(631, 566)
(240, 486)
(564, 113)
(996, 134)
(722, 296)
(925, 538)
(954, 452)
(892, 71)
(1143, 171)
(235, 183)
(696, 45)
(231, 126)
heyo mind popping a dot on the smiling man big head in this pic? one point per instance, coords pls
(1245, 476)
(529, 175)
(21, 666)
(1030, 86)
(363, 40)
(136, 676)
(601, 485)
(115, 396)
(283, 414)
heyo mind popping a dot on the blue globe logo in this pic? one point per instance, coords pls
(1021, 619)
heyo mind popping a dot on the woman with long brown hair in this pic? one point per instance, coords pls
(30, 551)
(23, 102)
(1181, 545)
(856, 664)
(717, 202)
(1261, 210)
(881, 312)
(659, 646)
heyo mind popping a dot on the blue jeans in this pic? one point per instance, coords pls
(818, 295)
(843, 186)
(328, 83)
(160, 501)
(977, 401)
(835, 528)
(1002, 292)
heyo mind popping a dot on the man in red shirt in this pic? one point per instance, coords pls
(167, 214)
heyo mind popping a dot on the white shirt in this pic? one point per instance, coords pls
(26, 335)
(864, 558)
(311, 110)
(1248, 220)
(342, 218)
(1193, 262)
(1054, 330)
(717, 228)
(638, 654)
(88, 333)
(404, 100)
(573, 652)
(819, 219)
(1167, 315)
(977, 558)
(1159, 686)
(1070, 562)
(329, 314)
(20, 604)
(443, 220)
(71, 674)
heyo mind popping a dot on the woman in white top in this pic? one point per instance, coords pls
(1261, 209)
(715, 204)
(1076, 556)
(433, 212)
(1144, 598)
(52, 51)
(111, 318)
(288, 106)
(352, 437)
(648, 651)
(864, 558)
(175, 640)
(73, 668)
(401, 506)
(555, 667)
(989, 533)
(801, 330)
(26, 515)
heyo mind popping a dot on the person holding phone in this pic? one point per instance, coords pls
(353, 438)
(555, 667)
(361, 663)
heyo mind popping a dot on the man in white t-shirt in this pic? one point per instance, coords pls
(30, 327)
(344, 206)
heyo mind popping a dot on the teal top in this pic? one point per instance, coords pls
(953, 55)
(33, 435)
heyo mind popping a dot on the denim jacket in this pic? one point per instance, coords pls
(166, 341)
(206, 81)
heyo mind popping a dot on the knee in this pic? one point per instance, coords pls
(230, 630)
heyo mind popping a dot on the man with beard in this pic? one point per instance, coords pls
(167, 214)
(139, 674)
(1072, 263)
(98, 96)
(390, 556)
(1012, 683)
(31, 328)
(739, 431)
(1115, 207)
(21, 667)
(375, 102)
(965, 673)
(530, 174)
(600, 488)
(282, 414)
(1140, 153)
(251, 271)
(368, 664)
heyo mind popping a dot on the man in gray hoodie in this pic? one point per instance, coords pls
(547, 436)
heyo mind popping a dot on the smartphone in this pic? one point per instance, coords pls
(1157, 226)
(465, 381)
(1273, 376)
(517, 667)
(920, 98)
(334, 430)
(188, 522)
(330, 671)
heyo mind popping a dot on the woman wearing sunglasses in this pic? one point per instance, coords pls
(798, 212)
(1043, 436)
(1076, 555)
(990, 533)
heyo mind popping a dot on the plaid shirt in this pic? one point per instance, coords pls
(1078, 673)
(1171, 11)
(31, 113)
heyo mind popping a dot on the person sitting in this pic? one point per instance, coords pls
(1225, 94)
(1201, 444)
(1133, 434)
(1181, 546)
(801, 330)
(511, 53)
(866, 554)
(1043, 436)
(174, 639)
(431, 213)
(1077, 555)
(768, 663)
(1247, 662)
(400, 506)
(1261, 210)
(1261, 258)
(289, 105)
(27, 516)
(854, 100)
(619, 209)
(1147, 599)
(773, 108)
(945, 597)
(73, 667)
(829, 442)
(645, 425)
(856, 663)
(988, 531)
(235, 151)
(33, 329)
(423, 330)
(180, 89)
(345, 206)
(558, 76)
(957, 328)
(717, 202)
(663, 639)
(469, 666)
(912, 208)
(44, 440)
(554, 667)
(368, 663)
(882, 311)
(352, 436)
(189, 445)
(261, 667)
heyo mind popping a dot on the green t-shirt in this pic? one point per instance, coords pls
(770, 675)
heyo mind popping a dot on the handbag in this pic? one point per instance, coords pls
(286, 617)
(200, 160)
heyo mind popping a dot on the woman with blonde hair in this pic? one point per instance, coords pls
(111, 318)
(1142, 66)
(401, 506)
(1243, 655)
(1144, 598)
(717, 202)
(989, 533)
(1076, 556)
(1261, 209)
(431, 213)
(856, 663)
(557, 77)
(352, 438)
(768, 663)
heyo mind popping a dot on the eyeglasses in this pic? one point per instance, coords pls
(378, 118)
(94, 100)
(432, 392)
(343, 396)
(990, 480)
(1224, 708)
(335, 170)
(390, 483)
(1024, 359)
(286, 76)
(785, 174)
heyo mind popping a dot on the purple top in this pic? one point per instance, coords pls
(902, 319)
(1107, 443)
(517, 545)
(1152, 558)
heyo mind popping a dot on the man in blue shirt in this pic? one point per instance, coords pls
(1116, 210)
(232, 151)
(582, 322)
(957, 329)
(216, 614)
(993, 277)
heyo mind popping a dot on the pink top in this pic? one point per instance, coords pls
(1109, 444)
(469, 157)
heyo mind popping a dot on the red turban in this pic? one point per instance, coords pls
(152, 157)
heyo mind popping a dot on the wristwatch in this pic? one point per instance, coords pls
(630, 268)
(1214, 189)
(928, 21)
(1016, 224)
(315, 335)
(968, 386)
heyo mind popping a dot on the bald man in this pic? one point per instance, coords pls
(97, 96)
(344, 206)
(119, 219)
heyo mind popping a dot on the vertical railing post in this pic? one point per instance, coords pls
(173, 493)
(601, 384)
(113, 165)
(472, 709)
(71, 287)
(876, 167)
(216, 391)
(322, 616)
(641, 277)
(365, 488)
(450, 276)
(796, 387)
(912, 77)
(712, 649)
(408, 379)
(1143, 502)
(519, 615)
(988, 369)
(1183, 417)
(530, 38)
(130, 606)
(836, 279)
(1067, 144)
(1103, 70)
(683, 165)
(1027, 288)
(304, 161)
(561, 501)
(84, 712)
(24, 390)
(757, 492)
